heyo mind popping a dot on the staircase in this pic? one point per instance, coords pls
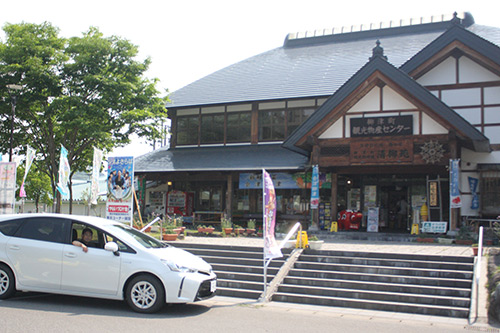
(431, 285)
(239, 269)
(408, 283)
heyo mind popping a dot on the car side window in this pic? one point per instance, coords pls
(97, 235)
(9, 228)
(42, 229)
(122, 247)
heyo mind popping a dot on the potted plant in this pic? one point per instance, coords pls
(239, 229)
(465, 236)
(315, 243)
(251, 226)
(169, 235)
(475, 249)
(226, 226)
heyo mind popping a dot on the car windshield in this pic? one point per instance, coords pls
(145, 240)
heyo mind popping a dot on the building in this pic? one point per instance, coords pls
(382, 111)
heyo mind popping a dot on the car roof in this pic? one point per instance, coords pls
(93, 220)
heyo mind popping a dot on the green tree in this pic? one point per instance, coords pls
(37, 185)
(82, 92)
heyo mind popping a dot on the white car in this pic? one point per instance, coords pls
(37, 254)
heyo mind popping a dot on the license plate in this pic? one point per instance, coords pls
(213, 285)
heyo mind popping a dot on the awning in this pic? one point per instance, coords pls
(221, 158)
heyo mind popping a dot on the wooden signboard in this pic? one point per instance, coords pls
(381, 151)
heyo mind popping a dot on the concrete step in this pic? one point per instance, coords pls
(424, 300)
(243, 269)
(389, 262)
(241, 261)
(236, 276)
(382, 278)
(373, 269)
(240, 284)
(393, 256)
(416, 308)
(380, 286)
(241, 293)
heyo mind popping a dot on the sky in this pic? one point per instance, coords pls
(189, 39)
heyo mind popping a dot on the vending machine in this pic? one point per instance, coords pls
(180, 203)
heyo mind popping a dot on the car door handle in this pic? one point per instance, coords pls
(70, 255)
(14, 247)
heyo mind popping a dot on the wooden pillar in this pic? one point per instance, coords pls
(229, 196)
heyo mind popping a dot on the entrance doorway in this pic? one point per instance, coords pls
(397, 204)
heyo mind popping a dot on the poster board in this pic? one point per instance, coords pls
(119, 205)
(372, 219)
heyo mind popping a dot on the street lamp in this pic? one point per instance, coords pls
(13, 88)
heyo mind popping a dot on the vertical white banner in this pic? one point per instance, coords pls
(96, 168)
(64, 171)
(30, 156)
(7, 187)
(271, 248)
(120, 205)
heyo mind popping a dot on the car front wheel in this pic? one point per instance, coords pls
(145, 294)
(7, 282)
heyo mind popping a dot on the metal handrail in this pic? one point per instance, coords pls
(476, 275)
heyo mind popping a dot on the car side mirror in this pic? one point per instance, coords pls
(112, 247)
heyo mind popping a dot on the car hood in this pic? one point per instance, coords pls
(182, 258)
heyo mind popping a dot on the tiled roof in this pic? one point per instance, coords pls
(311, 69)
(223, 158)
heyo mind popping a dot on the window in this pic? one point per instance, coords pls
(9, 228)
(187, 130)
(43, 229)
(271, 125)
(490, 187)
(296, 117)
(212, 128)
(97, 235)
(238, 126)
(122, 247)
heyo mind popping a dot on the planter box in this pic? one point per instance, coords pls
(464, 242)
(206, 230)
(228, 231)
(315, 245)
(250, 231)
(425, 240)
(447, 241)
(169, 237)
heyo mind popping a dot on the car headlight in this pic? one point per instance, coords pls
(176, 267)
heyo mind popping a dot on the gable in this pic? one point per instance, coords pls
(383, 102)
(459, 70)
(475, 57)
(380, 89)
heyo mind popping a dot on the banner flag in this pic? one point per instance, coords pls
(62, 185)
(315, 188)
(271, 248)
(455, 199)
(30, 156)
(96, 168)
(7, 187)
(473, 184)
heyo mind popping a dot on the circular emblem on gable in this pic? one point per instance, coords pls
(432, 152)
